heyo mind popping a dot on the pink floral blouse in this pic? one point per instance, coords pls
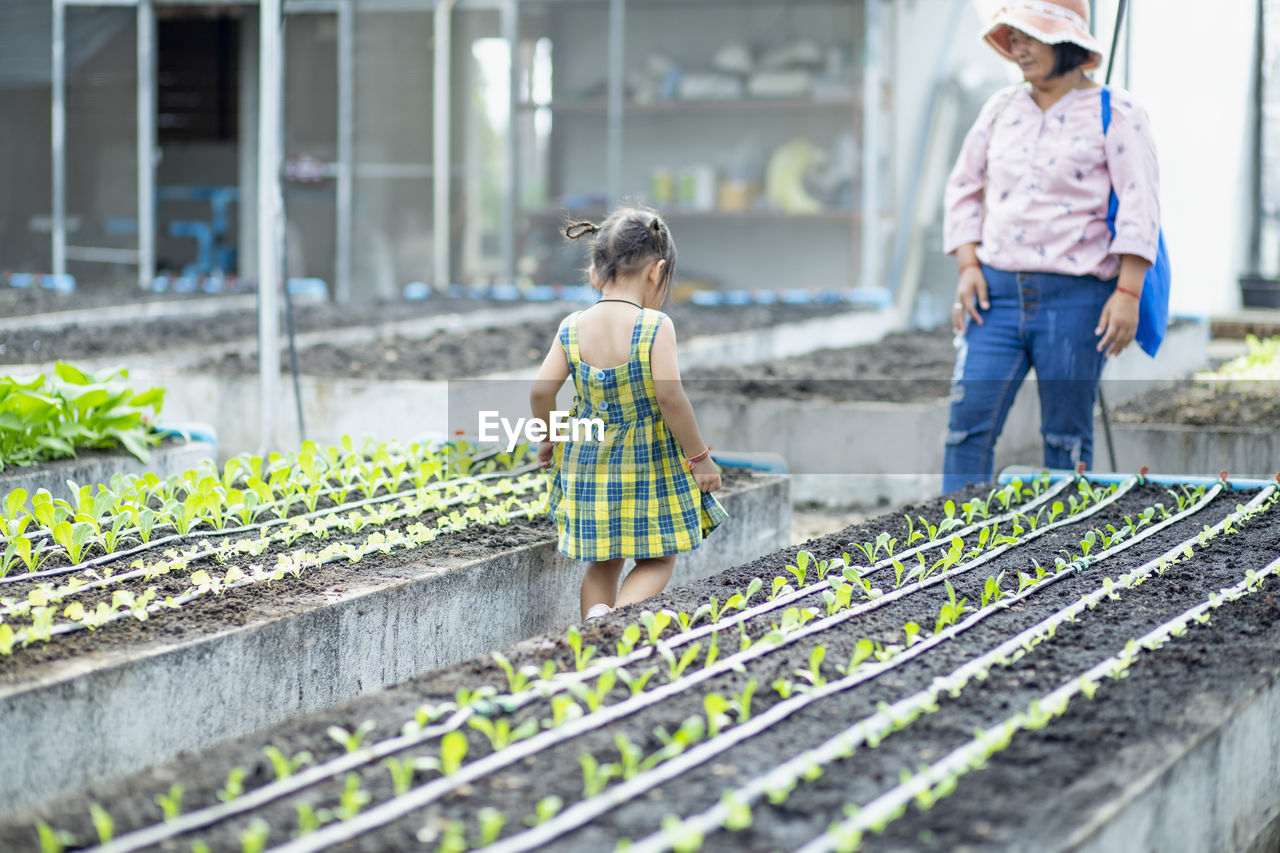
(1046, 177)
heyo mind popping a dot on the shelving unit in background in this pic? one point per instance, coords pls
(604, 119)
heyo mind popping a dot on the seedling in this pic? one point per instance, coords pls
(546, 809)
(284, 766)
(580, 655)
(234, 786)
(171, 803)
(103, 824)
(350, 741)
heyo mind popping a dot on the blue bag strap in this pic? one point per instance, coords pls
(1113, 204)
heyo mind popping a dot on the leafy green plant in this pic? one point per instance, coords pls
(546, 808)
(171, 803)
(234, 786)
(48, 418)
(103, 823)
(284, 766)
(351, 740)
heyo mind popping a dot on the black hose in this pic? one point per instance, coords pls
(1115, 40)
(284, 278)
(293, 347)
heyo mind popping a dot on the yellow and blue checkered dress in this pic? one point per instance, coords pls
(629, 495)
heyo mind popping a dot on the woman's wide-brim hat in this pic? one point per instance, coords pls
(1049, 21)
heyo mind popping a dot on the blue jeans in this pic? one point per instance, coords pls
(1039, 320)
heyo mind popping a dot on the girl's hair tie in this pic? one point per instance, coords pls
(580, 229)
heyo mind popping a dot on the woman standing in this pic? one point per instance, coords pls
(1042, 281)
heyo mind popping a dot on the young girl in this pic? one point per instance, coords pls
(643, 492)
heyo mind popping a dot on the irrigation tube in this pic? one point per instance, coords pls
(960, 761)
(587, 810)
(832, 749)
(110, 580)
(800, 594)
(431, 791)
(115, 556)
(168, 604)
(272, 791)
(1013, 472)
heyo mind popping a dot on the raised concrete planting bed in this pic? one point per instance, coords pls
(394, 386)
(99, 704)
(836, 707)
(867, 425)
(98, 466)
(1225, 419)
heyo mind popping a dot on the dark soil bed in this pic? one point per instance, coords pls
(1005, 807)
(97, 340)
(20, 301)
(900, 368)
(498, 349)
(490, 350)
(1244, 404)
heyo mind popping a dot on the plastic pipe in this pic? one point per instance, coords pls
(146, 142)
(1025, 472)
(270, 222)
(771, 462)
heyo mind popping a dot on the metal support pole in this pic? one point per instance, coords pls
(270, 226)
(346, 151)
(58, 132)
(910, 213)
(443, 25)
(146, 142)
(617, 65)
(871, 97)
(507, 233)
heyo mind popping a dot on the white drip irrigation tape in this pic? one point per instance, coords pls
(429, 792)
(587, 810)
(959, 762)
(809, 591)
(116, 556)
(884, 721)
(319, 773)
(219, 587)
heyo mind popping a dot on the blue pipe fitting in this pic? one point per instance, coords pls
(189, 431)
(1026, 472)
(771, 463)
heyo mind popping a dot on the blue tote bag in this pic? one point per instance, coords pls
(1153, 307)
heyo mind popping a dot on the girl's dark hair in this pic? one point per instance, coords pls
(626, 242)
(1067, 57)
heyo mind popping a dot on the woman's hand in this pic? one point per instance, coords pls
(706, 474)
(546, 453)
(971, 294)
(1118, 323)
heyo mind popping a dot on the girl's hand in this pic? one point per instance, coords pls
(706, 474)
(1117, 324)
(971, 293)
(546, 453)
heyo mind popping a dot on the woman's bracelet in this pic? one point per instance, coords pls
(969, 265)
(694, 460)
(1123, 289)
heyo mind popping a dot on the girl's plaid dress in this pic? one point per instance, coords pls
(629, 495)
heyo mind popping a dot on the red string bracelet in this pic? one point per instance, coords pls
(694, 460)
(1128, 291)
(969, 265)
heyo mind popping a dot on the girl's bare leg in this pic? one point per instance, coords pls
(647, 579)
(600, 584)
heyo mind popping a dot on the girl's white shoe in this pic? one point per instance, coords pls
(595, 611)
